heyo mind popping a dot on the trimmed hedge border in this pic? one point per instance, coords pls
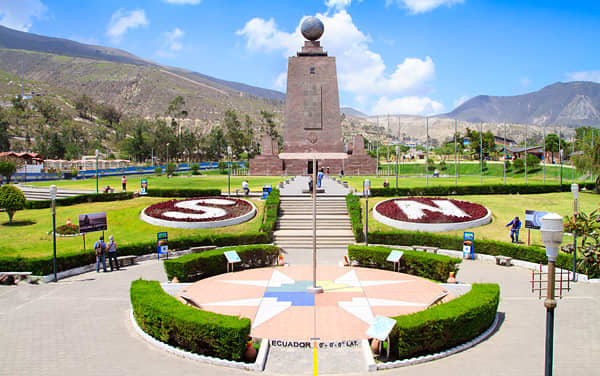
(80, 199)
(168, 320)
(196, 266)
(183, 192)
(355, 211)
(487, 247)
(271, 212)
(420, 264)
(446, 325)
(488, 189)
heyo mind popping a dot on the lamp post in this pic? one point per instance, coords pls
(575, 191)
(53, 196)
(397, 163)
(167, 152)
(314, 289)
(97, 153)
(229, 172)
(366, 189)
(552, 233)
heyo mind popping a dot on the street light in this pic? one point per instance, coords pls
(167, 152)
(366, 191)
(552, 234)
(53, 196)
(397, 163)
(97, 153)
(229, 172)
(575, 191)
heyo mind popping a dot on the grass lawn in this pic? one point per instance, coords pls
(255, 183)
(506, 207)
(28, 236)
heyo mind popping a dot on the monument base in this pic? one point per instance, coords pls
(266, 165)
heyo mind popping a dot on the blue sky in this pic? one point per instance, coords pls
(393, 56)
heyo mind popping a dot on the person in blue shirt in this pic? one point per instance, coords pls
(319, 178)
(514, 230)
(100, 249)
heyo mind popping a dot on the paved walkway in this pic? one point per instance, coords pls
(300, 183)
(80, 326)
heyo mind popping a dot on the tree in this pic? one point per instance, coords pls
(533, 162)
(84, 106)
(268, 125)
(589, 161)
(11, 200)
(488, 142)
(18, 103)
(109, 113)
(4, 140)
(175, 110)
(135, 146)
(48, 110)
(170, 168)
(248, 136)
(7, 169)
(519, 165)
(234, 134)
(216, 144)
(56, 148)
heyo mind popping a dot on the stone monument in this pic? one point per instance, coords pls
(312, 127)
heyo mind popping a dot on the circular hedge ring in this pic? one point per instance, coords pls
(432, 214)
(199, 212)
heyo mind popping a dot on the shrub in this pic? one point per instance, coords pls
(80, 199)
(271, 212)
(507, 165)
(355, 211)
(170, 321)
(196, 266)
(11, 200)
(68, 229)
(443, 165)
(519, 165)
(446, 325)
(195, 169)
(170, 168)
(222, 166)
(533, 162)
(421, 264)
(158, 170)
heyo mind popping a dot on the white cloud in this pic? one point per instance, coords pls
(281, 81)
(593, 76)
(461, 100)
(122, 20)
(360, 70)
(338, 4)
(173, 39)
(188, 2)
(19, 14)
(525, 82)
(411, 105)
(423, 6)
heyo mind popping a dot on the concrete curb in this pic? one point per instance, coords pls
(442, 354)
(258, 365)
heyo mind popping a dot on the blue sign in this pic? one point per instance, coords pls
(394, 256)
(162, 244)
(381, 328)
(144, 187)
(469, 245)
(232, 256)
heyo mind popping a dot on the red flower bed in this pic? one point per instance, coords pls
(240, 208)
(391, 210)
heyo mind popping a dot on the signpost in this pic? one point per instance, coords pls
(394, 257)
(533, 220)
(232, 258)
(162, 244)
(380, 329)
(469, 245)
(144, 187)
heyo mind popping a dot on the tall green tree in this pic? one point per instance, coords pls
(489, 145)
(268, 125)
(4, 140)
(51, 113)
(233, 132)
(109, 113)
(84, 106)
(7, 169)
(11, 200)
(216, 145)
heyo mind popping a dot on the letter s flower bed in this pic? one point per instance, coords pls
(170, 321)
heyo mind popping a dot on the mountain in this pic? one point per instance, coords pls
(352, 112)
(570, 103)
(14, 40)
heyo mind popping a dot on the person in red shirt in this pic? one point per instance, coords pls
(124, 183)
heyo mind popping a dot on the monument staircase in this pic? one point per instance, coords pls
(43, 193)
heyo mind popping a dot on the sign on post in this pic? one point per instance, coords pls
(144, 187)
(92, 222)
(394, 257)
(232, 258)
(469, 245)
(533, 219)
(162, 244)
(380, 329)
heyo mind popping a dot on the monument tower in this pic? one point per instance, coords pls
(312, 124)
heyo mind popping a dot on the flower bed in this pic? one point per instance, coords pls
(199, 212)
(431, 214)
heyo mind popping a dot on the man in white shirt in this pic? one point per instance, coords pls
(245, 187)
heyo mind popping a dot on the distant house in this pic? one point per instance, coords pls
(519, 152)
(26, 162)
(502, 141)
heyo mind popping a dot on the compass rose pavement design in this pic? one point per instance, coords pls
(277, 301)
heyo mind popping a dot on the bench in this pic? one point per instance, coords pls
(423, 248)
(190, 301)
(126, 260)
(504, 260)
(437, 300)
(203, 248)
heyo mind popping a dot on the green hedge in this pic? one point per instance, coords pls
(80, 199)
(421, 264)
(44, 266)
(183, 192)
(170, 321)
(487, 189)
(487, 247)
(446, 325)
(271, 212)
(190, 268)
(355, 211)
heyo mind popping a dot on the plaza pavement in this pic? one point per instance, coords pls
(80, 326)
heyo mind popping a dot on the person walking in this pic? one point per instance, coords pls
(112, 253)
(514, 230)
(124, 183)
(100, 249)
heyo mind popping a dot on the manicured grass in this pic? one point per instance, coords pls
(255, 183)
(28, 236)
(506, 207)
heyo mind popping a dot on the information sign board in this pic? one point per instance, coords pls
(394, 256)
(381, 328)
(92, 222)
(533, 219)
(232, 257)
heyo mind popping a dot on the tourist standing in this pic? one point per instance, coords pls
(100, 249)
(514, 230)
(310, 184)
(319, 178)
(112, 253)
(124, 183)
